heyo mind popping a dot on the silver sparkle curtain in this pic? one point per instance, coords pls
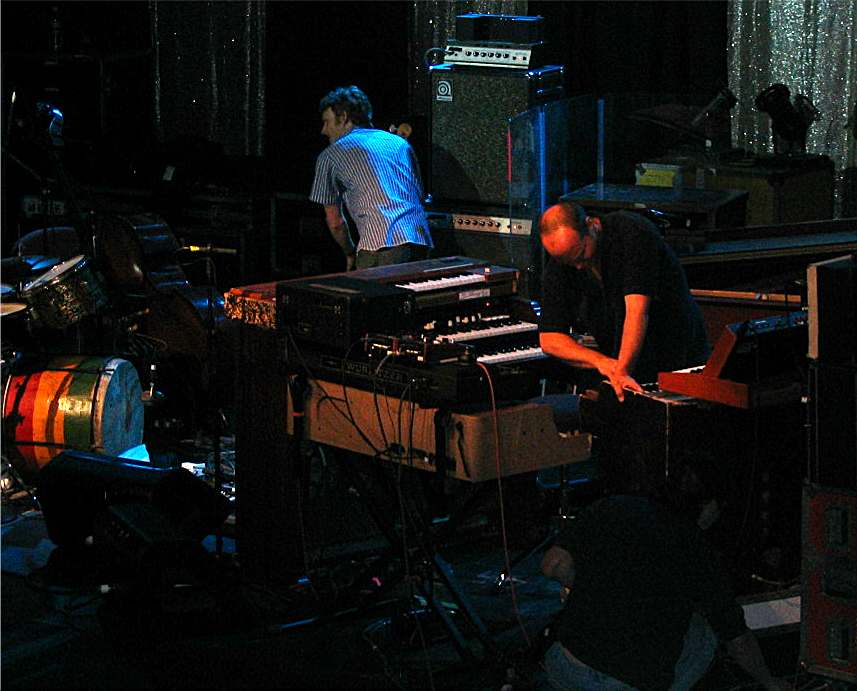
(432, 25)
(811, 47)
(209, 74)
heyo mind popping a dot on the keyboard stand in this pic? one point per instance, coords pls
(421, 557)
(423, 561)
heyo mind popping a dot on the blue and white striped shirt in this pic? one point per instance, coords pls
(375, 174)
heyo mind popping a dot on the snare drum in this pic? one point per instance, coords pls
(65, 294)
(81, 402)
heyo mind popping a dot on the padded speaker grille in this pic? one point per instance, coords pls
(471, 108)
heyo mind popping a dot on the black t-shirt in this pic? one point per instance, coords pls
(634, 260)
(640, 572)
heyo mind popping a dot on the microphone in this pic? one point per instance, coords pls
(151, 395)
(208, 249)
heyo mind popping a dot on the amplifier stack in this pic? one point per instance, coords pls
(494, 71)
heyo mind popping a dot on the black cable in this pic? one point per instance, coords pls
(431, 51)
(366, 635)
(363, 436)
(407, 393)
(375, 400)
(311, 377)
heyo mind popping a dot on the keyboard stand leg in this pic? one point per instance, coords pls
(422, 552)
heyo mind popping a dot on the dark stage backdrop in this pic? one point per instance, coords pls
(105, 77)
(655, 46)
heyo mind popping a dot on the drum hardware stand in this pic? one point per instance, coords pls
(151, 395)
(9, 476)
(214, 416)
(10, 479)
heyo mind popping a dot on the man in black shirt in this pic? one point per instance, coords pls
(647, 601)
(617, 279)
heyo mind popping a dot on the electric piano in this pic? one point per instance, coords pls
(754, 363)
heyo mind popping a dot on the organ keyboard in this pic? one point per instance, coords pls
(437, 384)
(407, 289)
(499, 339)
(436, 302)
(421, 286)
(491, 327)
(521, 355)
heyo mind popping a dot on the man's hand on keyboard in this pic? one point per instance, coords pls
(621, 381)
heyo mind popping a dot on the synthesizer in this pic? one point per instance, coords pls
(336, 310)
(753, 364)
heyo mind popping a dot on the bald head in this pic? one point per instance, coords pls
(562, 216)
(567, 234)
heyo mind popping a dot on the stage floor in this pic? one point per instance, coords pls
(73, 620)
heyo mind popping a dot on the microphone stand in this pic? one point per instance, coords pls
(212, 412)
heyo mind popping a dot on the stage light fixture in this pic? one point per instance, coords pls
(789, 121)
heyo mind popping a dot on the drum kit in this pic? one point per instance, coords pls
(78, 330)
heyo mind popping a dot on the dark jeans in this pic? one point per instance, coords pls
(399, 254)
(565, 671)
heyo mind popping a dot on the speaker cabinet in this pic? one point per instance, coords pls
(833, 425)
(76, 489)
(470, 111)
(829, 583)
(781, 189)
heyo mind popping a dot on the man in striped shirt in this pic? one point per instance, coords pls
(375, 174)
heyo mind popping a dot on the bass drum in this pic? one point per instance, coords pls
(81, 402)
(138, 253)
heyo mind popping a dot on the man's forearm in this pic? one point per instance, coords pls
(565, 348)
(342, 236)
(633, 331)
(339, 229)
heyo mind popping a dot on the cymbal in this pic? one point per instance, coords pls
(25, 267)
(7, 308)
